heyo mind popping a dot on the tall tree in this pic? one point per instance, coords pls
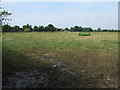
(76, 28)
(50, 27)
(35, 28)
(99, 29)
(71, 29)
(88, 29)
(41, 29)
(66, 29)
(80, 28)
(4, 16)
(15, 29)
(6, 28)
(27, 28)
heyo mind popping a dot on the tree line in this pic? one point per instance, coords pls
(51, 28)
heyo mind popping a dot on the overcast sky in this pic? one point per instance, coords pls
(64, 14)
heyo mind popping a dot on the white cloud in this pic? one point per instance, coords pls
(59, 0)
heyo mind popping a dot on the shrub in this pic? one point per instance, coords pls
(15, 29)
(6, 28)
(27, 30)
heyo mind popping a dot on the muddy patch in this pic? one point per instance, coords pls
(31, 79)
(57, 76)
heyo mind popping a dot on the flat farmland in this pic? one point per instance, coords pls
(67, 59)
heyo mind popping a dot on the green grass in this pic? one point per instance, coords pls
(57, 40)
(96, 54)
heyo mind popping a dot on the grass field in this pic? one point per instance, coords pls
(94, 59)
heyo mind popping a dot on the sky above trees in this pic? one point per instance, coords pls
(64, 14)
(60, 0)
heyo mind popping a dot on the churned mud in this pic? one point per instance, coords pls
(58, 76)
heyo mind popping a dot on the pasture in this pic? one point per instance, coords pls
(93, 59)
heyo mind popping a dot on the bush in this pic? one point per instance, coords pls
(62, 30)
(6, 28)
(15, 29)
(27, 30)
